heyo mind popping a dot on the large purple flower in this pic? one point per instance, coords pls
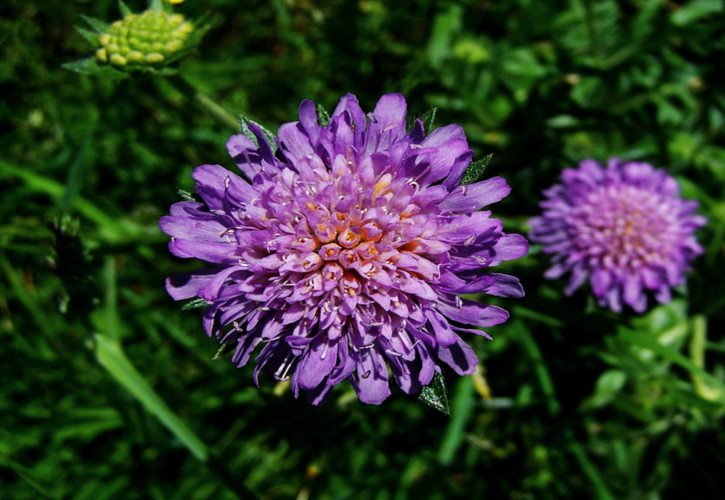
(624, 227)
(346, 252)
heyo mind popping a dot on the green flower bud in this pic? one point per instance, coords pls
(154, 57)
(118, 60)
(148, 38)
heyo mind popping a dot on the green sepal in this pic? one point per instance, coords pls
(90, 36)
(90, 66)
(197, 303)
(98, 25)
(323, 117)
(123, 8)
(435, 394)
(475, 171)
(186, 195)
(428, 118)
(268, 136)
(159, 5)
(223, 350)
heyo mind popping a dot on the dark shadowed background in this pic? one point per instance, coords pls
(109, 390)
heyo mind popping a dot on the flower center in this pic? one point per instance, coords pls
(350, 231)
(624, 227)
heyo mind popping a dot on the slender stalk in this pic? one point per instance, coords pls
(206, 103)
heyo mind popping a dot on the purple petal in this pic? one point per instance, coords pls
(294, 142)
(186, 286)
(472, 313)
(459, 356)
(317, 364)
(371, 384)
(476, 196)
(389, 112)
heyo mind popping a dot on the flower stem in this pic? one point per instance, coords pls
(216, 110)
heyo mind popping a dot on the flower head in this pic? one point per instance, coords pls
(146, 42)
(148, 38)
(344, 253)
(624, 227)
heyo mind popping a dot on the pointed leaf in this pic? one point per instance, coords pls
(268, 136)
(98, 25)
(197, 303)
(323, 117)
(110, 356)
(90, 66)
(435, 394)
(90, 36)
(186, 195)
(475, 170)
(123, 8)
(428, 118)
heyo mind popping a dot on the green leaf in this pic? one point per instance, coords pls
(323, 117)
(90, 66)
(648, 341)
(475, 170)
(197, 303)
(123, 8)
(98, 25)
(692, 11)
(268, 136)
(428, 118)
(463, 403)
(446, 26)
(435, 394)
(110, 356)
(223, 350)
(186, 195)
(608, 385)
(90, 36)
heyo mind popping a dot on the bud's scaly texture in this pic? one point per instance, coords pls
(148, 38)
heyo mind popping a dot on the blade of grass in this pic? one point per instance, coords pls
(590, 471)
(113, 229)
(461, 409)
(542, 372)
(649, 342)
(111, 357)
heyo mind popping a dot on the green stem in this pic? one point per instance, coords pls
(216, 110)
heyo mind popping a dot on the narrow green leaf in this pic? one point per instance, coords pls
(323, 117)
(90, 36)
(697, 9)
(197, 303)
(475, 170)
(113, 229)
(268, 136)
(608, 385)
(428, 118)
(600, 486)
(647, 341)
(90, 66)
(98, 25)
(157, 5)
(110, 356)
(463, 402)
(123, 8)
(537, 360)
(186, 195)
(223, 350)
(435, 394)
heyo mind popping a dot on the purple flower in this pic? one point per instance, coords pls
(623, 227)
(344, 255)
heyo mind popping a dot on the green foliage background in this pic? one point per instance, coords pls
(109, 390)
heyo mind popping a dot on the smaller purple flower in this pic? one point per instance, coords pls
(624, 227)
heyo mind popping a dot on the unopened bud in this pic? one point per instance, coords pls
(148, 38)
